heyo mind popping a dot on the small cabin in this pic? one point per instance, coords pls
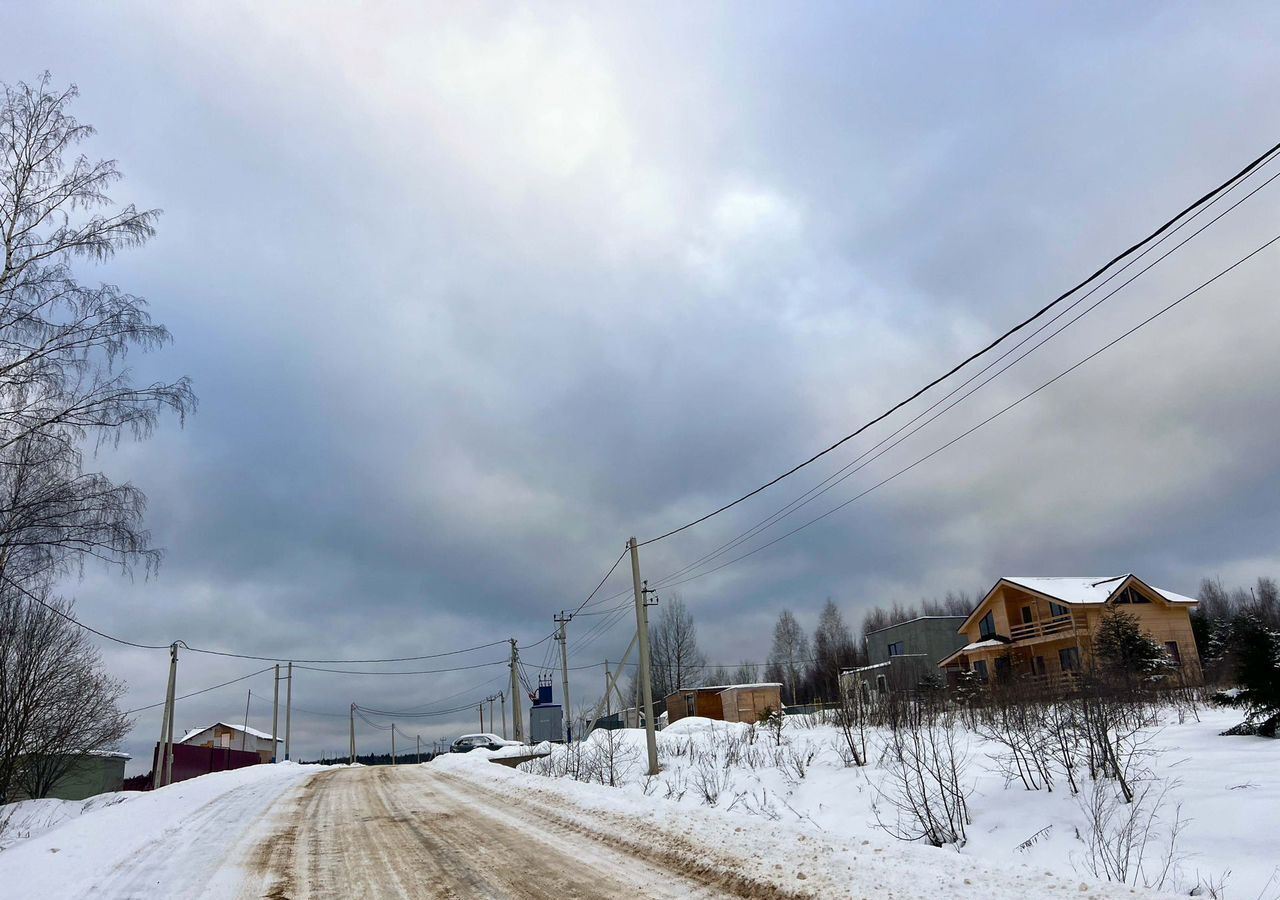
(726, 702)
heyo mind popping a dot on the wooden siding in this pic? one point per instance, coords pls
(748, 704)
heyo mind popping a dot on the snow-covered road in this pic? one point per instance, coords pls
(463, 828)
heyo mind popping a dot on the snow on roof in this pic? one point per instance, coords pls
(747, 687)
(909, 621)
(253, 732)
(980, 645)
(1085, 590)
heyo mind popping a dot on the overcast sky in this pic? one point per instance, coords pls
(469, 296)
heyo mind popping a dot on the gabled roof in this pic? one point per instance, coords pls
(1077, 590)
(252, 732)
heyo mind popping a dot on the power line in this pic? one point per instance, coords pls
(498, 662)
(388, 659)
(129, 712)
(870, 455)
(1003, 337)
(992, 417)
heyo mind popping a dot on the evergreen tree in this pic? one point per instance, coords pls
(1121, 647)
(1256, 655)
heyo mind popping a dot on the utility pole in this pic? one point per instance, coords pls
(353, 734)
(502, 697)
(564, 676)
(164, 759)
(419, 749)
(608, 705)
(245, 734)
(492, 697)
(481, 706)
(642, 632)
(517, 726)
(288, 711)
(275, 714)
(393, 743)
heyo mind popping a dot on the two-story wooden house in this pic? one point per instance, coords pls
(1043, 627)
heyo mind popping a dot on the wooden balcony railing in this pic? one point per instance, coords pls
(1058, 626)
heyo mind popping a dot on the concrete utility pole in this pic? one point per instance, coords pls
(353, 734)
(275, 714)
(288, 711)
(608, 706)
(481, 706)
(502, 697)
(245, 733)
(393, 743)
(642, 632)
(164, 759)
(517, 725)
(419, 749)
(564, 676)
(492, 697)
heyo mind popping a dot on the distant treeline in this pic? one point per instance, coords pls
(370, 759)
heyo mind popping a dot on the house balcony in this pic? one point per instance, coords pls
(1048, 629)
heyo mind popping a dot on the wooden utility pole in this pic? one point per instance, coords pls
(564, 676)
(642, 632)
(275, 714)
(288, 711)
(353, 734)
(517, 724)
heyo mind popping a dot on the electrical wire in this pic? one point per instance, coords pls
(1248, 169)
(870, 455)
(129, 712)
(497, 662)
(992, 417)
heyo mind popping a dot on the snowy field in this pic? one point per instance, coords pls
(1223, 791)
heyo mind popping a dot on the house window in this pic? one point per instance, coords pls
(691, 704)
(1069, 659)
(1172, 648)
(882, 685)
(980, 666)
(1038, 665)
(1057, 609)
(896, 649)
(1003, 668)
(987, 626)
(1026, 615)
(1129, 595)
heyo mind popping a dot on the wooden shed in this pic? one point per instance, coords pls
(748, 702)
(726, 702)
(702, 701)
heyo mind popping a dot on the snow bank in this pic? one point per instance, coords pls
(796, 855)
(1227, 789)
(69, 850)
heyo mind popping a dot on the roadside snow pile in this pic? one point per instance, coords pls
(112, 829)
(756, 855)
(1206, 812)
(30, 818)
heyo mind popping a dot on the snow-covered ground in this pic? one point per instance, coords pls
(1226, 791)
(108, 844)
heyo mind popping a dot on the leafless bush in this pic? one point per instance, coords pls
(851, 721)
(710, 780)
(1019, 724)
(1131, 838)
(923, 794)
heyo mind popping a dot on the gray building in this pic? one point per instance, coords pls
(903, 655)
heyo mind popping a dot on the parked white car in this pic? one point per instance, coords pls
(469, 742)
